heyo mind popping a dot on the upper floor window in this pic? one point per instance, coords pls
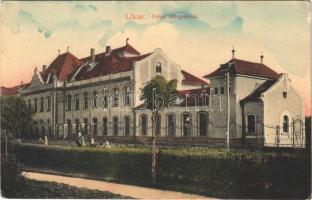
(126, 96)
(85, 100)
(222, 90)
(115, 97)
(36, 105)
(285, 124)
(158, 67)
(216, 90)
(41, 104)
(48, 103)
(105, 102)
(284, 95)
(69, 99)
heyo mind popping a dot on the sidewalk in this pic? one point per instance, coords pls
(122, 189)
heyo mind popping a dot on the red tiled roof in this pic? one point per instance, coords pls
(191, 79)
(189, 99)
(63, 65)
(108, 65)
(255, 95)
(128, 49)
(12, 90)
(243, 67)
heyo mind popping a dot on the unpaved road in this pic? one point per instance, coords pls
(125, 190)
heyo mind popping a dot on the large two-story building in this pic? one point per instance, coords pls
(99, 95)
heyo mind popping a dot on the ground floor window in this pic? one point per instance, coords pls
(105, 126)
(42, 128)
(171, 124)
(251, 123)
(285, 124)
(115, 125)
(69, 127)
(86, 126)
(203, 123)
(95, 126)
(127, 126)
(158, 124)
(77, 122)
(49, 128)
(144, 124)
(186, 123)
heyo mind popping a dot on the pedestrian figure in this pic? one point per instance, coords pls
(92, 144)
(108, 144)
(45, 140)
(79, 140)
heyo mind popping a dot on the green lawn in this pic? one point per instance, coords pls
(40, 189)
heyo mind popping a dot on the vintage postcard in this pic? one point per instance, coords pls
(155, 100)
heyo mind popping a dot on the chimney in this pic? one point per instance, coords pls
(44, 67)
(92, 55)
(108, 50)
(261, 58)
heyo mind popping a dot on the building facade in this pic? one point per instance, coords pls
(99, 96)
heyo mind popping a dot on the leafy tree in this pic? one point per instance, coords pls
(157, 94)
(15, 115)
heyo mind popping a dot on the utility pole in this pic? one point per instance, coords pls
(228, 111)
(154, 150)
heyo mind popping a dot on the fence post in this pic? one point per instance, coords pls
(293, 133)
(277, 136)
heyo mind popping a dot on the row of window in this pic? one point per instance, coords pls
(186, 120)
(39, 106)
(251, 124)
(144, 121)
(86, 129)
(99, 100)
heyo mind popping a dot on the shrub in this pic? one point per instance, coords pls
(12, 180)
(210, 172)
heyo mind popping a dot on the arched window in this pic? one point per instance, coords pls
(115, 125)
(127, 125)
(216, 90)
(115, 97)
(171, 122)
(203, 123)
(95, 126)
(158, 67)
(285, 124)
(77, 122)
(42, 128)
(86, 126)
(69, 127)
(49, 128)
(126, 95)
(105, 126)
(144, 124)
(158, 124)
(186, 124)
(222, 90)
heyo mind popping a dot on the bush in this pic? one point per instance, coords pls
(12, 180)
(205, 171)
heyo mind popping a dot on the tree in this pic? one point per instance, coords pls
(15, 116)
(157, 94)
